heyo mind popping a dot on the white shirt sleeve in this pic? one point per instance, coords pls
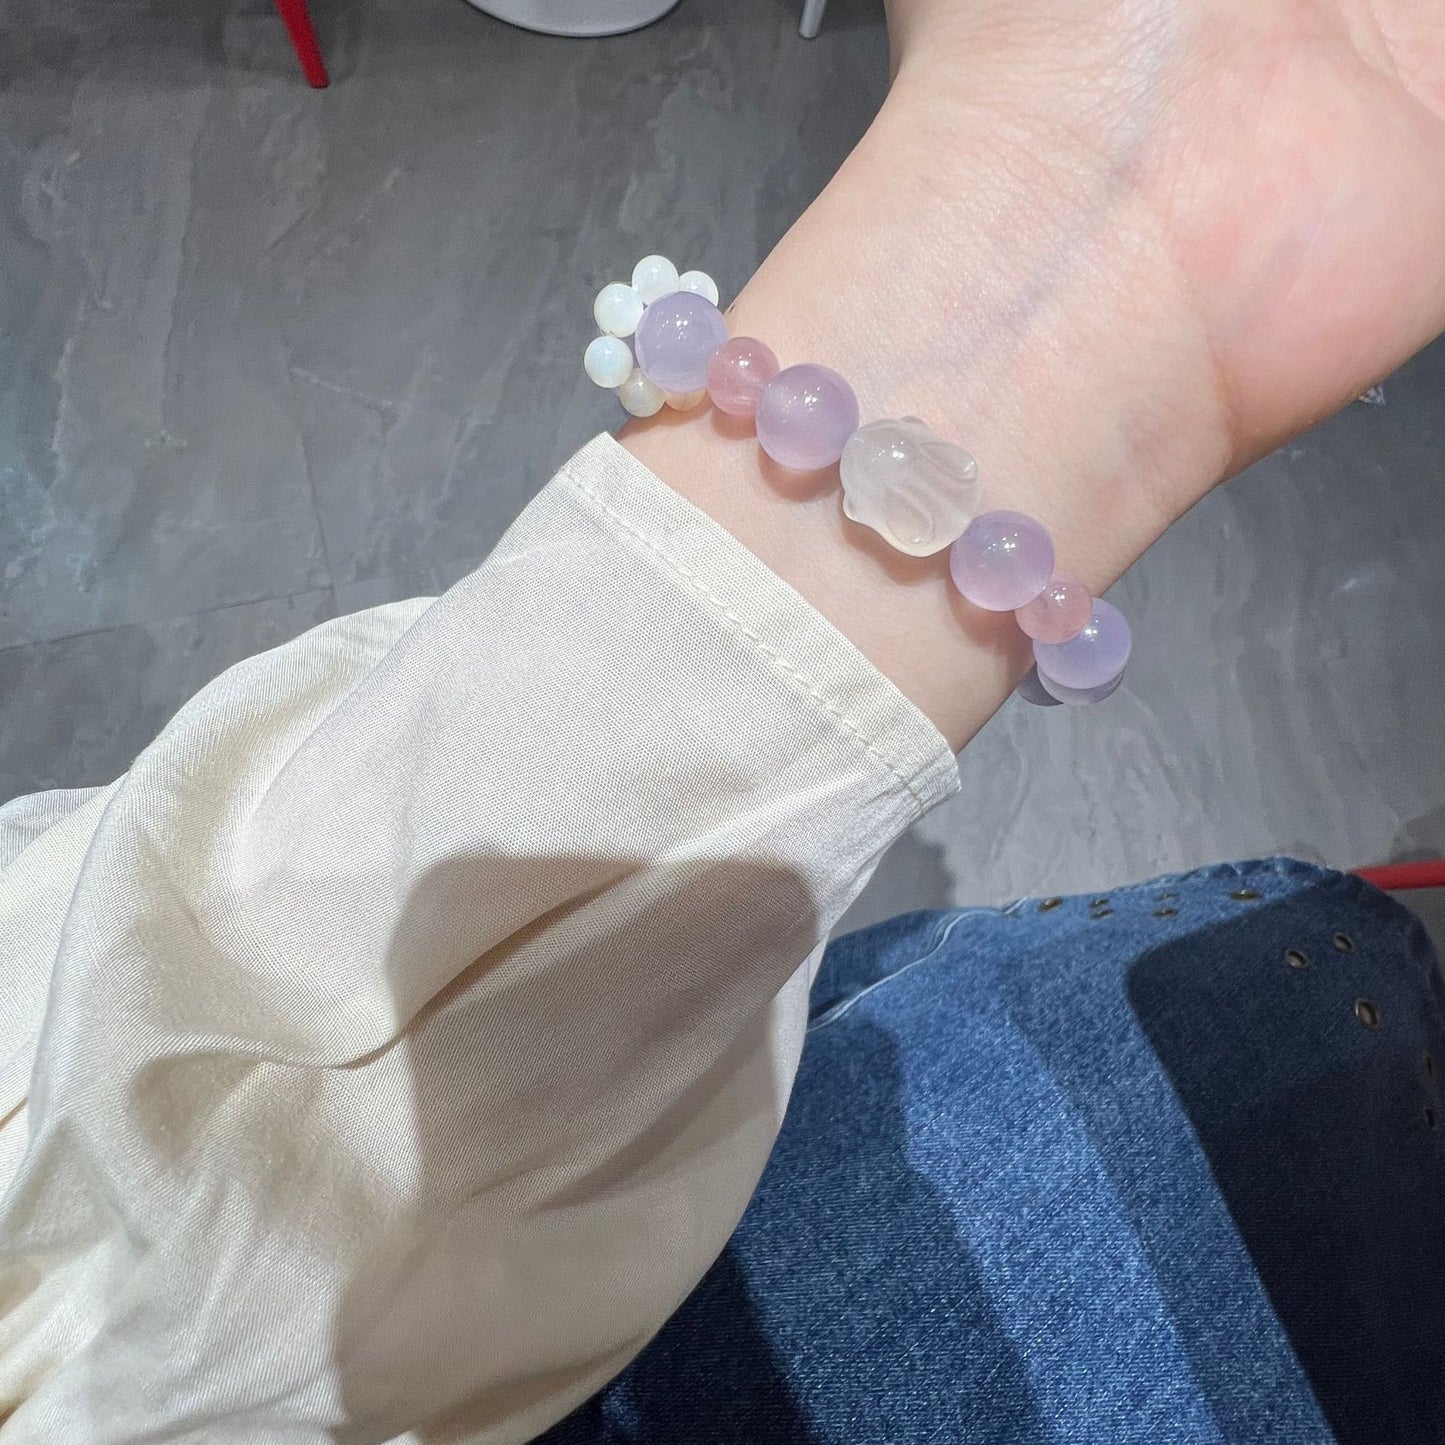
(400, 1040)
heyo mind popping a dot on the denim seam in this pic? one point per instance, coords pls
(1390, 915)
(1384, 909)
(940, 938)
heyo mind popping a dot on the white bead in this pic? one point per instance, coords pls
(618, 309)
(916, 490)
(700, 283)
(654, 277)
(608, 361)
(685, 401)
(640, 396)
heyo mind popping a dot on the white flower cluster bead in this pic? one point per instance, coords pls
(618, 310)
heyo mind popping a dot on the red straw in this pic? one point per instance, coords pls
(1396, 877)
(303, 41)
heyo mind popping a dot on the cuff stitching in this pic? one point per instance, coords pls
(773, 655)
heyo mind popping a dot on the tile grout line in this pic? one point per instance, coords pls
(328, 590)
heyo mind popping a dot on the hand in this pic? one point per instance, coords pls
(1270, 174)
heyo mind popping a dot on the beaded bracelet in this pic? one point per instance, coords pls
(665, 342)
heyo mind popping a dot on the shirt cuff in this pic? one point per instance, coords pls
(764, 613)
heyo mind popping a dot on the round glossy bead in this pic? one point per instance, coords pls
(1002, 561)
(675, 338)
(1080, 696)
(1095, 657)
(737, 372)
(1059, 612)
(914, 489)
(653, 278)
(805, 417)
(640, 396)
(1031, 690)
(608, 361)
(617, 309)
(700, 283)
(685, 402)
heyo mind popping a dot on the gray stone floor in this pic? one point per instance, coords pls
(268, 355)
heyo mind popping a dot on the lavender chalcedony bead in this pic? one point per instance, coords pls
(675, 338)
(1078, 696)
(737, 373)
(1002, 561)
(1032, 690)
(1090, 660)
(806, 416)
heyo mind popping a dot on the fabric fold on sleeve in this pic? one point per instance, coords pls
(420, 1009)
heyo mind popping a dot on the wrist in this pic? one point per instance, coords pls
(946, 279)
(1028, 309)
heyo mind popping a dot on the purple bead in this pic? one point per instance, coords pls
(1095, 657)
(806, 416)
(1077, 696)
(737, 373)
(674, 339)
(1002, 561)
(1032, 690)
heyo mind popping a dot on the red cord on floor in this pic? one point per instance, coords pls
(303, 39)
(1396, 877)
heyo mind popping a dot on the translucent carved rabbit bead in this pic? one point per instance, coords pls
(913, 488)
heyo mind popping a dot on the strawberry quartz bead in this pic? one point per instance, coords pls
(914, 489)
(737, 373)
(1059, 612)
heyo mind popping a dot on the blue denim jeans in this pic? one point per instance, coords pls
(1160, 1165)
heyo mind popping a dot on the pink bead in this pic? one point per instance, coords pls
(1059, 612)
(806, 416)
(1002, 561)
(737, 372)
